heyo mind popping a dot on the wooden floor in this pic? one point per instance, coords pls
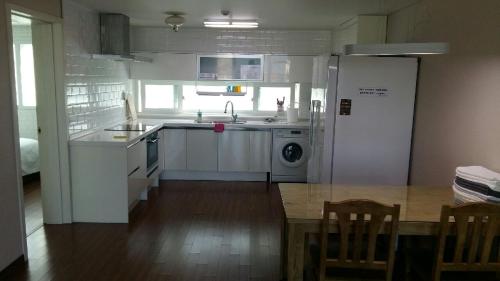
(186, 231)
(33, 205)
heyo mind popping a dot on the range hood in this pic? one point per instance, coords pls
(396, 49)
(115, 38)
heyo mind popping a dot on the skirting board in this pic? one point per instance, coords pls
(215, 176)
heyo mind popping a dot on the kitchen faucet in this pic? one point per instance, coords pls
(233, 116)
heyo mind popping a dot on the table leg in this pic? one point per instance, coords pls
(284, 249)
(295, 255)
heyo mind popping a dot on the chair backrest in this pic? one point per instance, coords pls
(369, 222)
(475, 225)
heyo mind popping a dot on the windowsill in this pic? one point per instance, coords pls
(214, 115)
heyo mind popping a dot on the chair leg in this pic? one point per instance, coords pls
(436, 275)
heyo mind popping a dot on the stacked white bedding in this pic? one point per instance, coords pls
(476, 184)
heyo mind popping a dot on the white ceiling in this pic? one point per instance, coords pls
(271, 14)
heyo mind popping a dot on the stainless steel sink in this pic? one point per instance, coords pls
(223, 122)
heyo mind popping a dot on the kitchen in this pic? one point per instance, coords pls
(216, 106)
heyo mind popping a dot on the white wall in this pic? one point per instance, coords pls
(191, 40)
(458, 102)
(93, 86)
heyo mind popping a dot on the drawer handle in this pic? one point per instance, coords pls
(135, 170)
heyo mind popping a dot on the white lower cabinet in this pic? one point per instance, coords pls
(107, 180)
(175, 149)
(230, 151)
(260, 155)
(245, 151)
(136, 171)
(234, 151)
(201, 150)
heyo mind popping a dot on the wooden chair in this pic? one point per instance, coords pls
(359, 228)
(476, 225)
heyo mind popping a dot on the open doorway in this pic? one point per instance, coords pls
(26, 99)
(37, 77)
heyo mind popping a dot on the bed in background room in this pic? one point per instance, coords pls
(30, 160)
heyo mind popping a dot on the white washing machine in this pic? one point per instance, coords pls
(290, 155)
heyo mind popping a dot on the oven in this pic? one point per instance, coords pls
(152, 152)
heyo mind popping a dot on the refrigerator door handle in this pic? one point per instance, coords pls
(311, 126)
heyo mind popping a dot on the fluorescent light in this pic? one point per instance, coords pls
(247, 23)
(216, 23)
(230, 24)
(235, 25)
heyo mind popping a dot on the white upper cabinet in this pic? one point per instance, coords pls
(360, 30)
(165, 66)
(230, 67)
(201, 150)
(234, 151)
(288, 69)
(175, 149)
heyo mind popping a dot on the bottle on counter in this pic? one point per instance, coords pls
(199, 116)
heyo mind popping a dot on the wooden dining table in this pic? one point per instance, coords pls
(303, 207)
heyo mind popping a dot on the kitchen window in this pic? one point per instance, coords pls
(25, 74)
(157, 97)
(192, 101)
(268, 97)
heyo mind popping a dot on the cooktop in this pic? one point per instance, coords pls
(140, 127)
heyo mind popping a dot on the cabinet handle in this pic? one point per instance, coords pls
(135, 170)
(153, 140)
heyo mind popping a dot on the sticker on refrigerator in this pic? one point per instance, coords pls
(345, 107)
(379, 92)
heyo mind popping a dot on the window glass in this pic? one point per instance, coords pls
(27, 75)
(297, 95)
(159, 96)
(193, 102)
(269, 95)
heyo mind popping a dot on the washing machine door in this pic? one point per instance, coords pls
(292, 154)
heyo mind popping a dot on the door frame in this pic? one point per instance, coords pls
(61, 194)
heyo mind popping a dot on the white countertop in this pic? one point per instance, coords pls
(125, 138)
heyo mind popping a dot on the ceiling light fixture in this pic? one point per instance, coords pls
(230, 24)
(175, 20)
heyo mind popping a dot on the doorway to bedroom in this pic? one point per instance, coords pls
(26, 98)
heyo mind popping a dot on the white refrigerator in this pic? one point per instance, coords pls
(361, 129)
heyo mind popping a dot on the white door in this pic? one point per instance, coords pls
(175, 149)
(234, 151)
(48, 138)
(201, 150)
(374, 119)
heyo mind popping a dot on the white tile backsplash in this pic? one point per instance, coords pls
(292, 42)
(93, 86)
